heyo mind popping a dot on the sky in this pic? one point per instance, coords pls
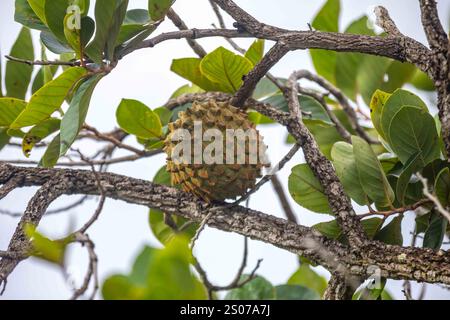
(122, 229)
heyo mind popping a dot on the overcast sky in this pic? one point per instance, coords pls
(122, 229)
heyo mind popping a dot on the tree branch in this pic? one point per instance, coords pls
(395, 262)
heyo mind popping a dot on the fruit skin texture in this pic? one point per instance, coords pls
(213, 182)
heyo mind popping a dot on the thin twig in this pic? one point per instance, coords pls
(44, 63)
(179, 23)
(269, 176)
(432, 197)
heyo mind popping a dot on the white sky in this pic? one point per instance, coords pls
(122, 229)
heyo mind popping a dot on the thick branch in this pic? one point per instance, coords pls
(395, 262)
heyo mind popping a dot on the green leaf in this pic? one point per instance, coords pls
(307, 277)
(442, 187)
(393, 104)
(10, 109)
(4, 137)
(75, 116)
(78, 39)
(49, 98)
(347, 64)
(135, 22)
(158, 274)
(18, 75)
(264, 89)
(306, 190)
(38, 133)
(54, 45)
(25, 15)
(371, 174)
(371, 75)
(256, 52)
(398, 74)
(345, 164)
(332, 230)
(421, 81)
(160, 229)
(411, 166)
(55, 11)
(38, 8)
(308, 104)
(257, 289)
(136, 118)
(51, 155)
(413, 130)
(186, 89)
(226, 68)
(44, 248)
(170, 276)
(189, 68)
(377, 103)
(109, 16)
(434, 234)
(159, 8)
(392, 232)
(327, 19)
(295, 292)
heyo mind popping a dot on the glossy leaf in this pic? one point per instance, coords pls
(159, 8)
(25, 15)
(347, 171)
(75, 116)
(257, 289)
(256, 52)
(306, 190)
(18, 75)
(10, 109)
(54, 45)
(189, 68)
(136, 118)
(327, 19)
(392, 232)
(38, 8)
(109, 15)
(413, 130)
(225, 67)
(135, 22)
(393, 104)
(371, 174)
(55, 11)
(49, 98)
(38, 133)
